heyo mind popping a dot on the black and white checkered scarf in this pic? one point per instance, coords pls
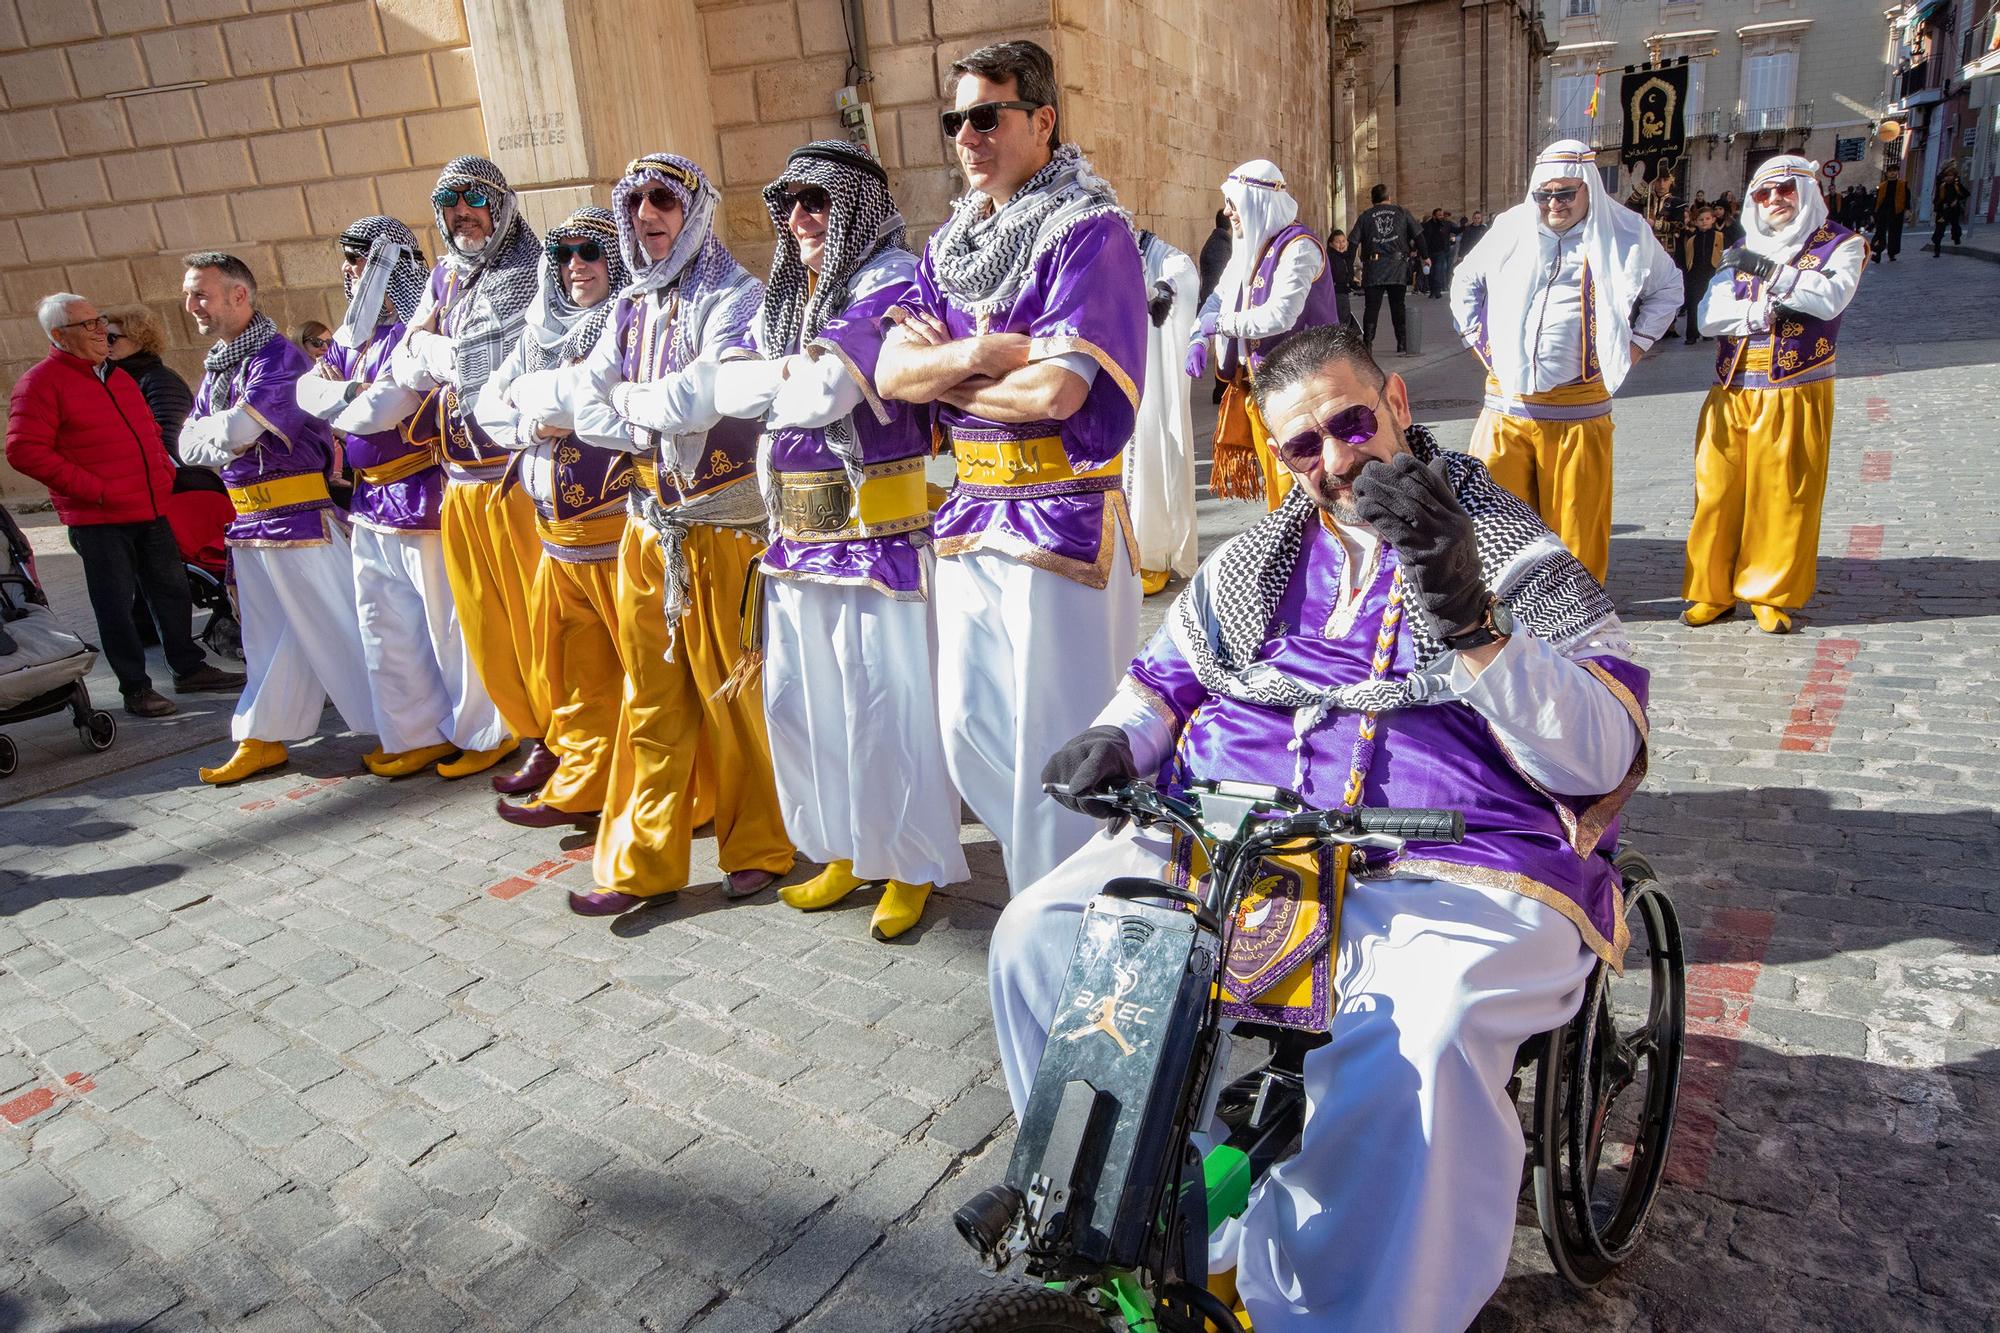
(223, 358)
(494, 286)
(394, 270)
(1223, 618)
(983, 258)
(862, 219)
(561, 330)
(697, 264)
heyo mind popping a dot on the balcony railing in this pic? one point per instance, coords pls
(1752, 119)
(1916, 78)
(1604, 132)
(1708, 125)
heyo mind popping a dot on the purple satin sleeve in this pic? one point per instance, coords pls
(412, 504)
(1165, 679)
(1091, 290)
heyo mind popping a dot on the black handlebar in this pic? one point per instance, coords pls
(1415, 825)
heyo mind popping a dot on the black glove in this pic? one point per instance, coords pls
(1750, 262)
(1093, 762)
(1413, 509)
(1162, 303)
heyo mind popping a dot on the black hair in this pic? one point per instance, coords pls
(1305, 353)
(228, 265)
(1377, 193)
(1032, 69)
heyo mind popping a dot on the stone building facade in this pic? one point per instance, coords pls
(133, 131)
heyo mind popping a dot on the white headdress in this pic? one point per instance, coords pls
(1783, 243)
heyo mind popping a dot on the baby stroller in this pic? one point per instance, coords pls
(200, 512)
(42, 665)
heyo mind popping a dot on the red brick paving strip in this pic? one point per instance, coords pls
(1718, 1003)
(1816, 707)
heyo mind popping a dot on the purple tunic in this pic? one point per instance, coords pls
(646, 353)
(294, 443)
(1322, 299)
(1802, 347)
(413, 503)
(885, 431)
(1087, 294)
(1441, 756)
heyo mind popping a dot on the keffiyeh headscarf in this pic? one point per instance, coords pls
(1222, 620)
(861, 219)
(698, 263)
(1786, 241)
(394, 271)
(1256, 190)
(562, 330)
(983, 255)
(223, 358)
(1618, 244)
(501, 278)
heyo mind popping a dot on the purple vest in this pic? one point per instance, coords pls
(1322, 301)
(412, 503)
(585, 479)
(294, 444)
(644, 354)
(1802, 348)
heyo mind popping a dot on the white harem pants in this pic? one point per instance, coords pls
(1397, 1213)
(1026, 659)
(851, 707)
(420, 674)
(301, 643)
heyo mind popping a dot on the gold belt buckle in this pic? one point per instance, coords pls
(816, 506)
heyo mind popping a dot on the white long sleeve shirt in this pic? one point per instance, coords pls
(1299, 265)
(1821, 293)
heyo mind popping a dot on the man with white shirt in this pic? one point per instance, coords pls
(1559, 301)
(1400, 632)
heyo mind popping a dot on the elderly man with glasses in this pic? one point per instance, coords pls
(81, 427)
(1559, 301)
(1027, 335)
(1399, 631)
(1767, 424)
(472, 314)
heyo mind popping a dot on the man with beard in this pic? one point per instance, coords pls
(695, 520)
(1767, 425)
(1561, 299)
(471, 316)
(1278, 280)
(1028, 332)
(288, 549)
(1400, 632)
(849, 667)
(429, 703)
(580, 492)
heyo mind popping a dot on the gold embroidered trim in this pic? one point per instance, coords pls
(1096, 574)
(265, 422)
(1508, 881)
(1155, 702)
(1043, 349)
(868, 394)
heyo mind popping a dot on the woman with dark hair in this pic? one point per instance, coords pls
(136, 344)
(313, 338)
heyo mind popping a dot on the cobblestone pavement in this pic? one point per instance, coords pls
(322, 1051)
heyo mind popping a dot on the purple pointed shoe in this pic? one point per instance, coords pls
(604, 902)
(537, 768)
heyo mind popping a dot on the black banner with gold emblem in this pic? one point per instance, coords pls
(1655, 102)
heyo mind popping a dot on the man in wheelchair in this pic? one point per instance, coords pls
(1400, 632)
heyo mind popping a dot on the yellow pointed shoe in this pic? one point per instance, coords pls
(1697, 614)
(825, 889)
(251, 758)
(477, 761)
(902, 906)
(401, 764)
(1770, 619)
(1152, 580)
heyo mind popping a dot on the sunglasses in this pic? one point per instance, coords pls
(94, 325)
(354, 256)
(588, 251)
(659, 197)
(1776, 190)
(984, 118)
(1351, 426)
(114, 336)
(473, 197)
(317, 344)
(1546, 197)
(814, 200)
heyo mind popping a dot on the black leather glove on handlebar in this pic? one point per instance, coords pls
(1750, 262)
(1413, 509)
(1095, 761)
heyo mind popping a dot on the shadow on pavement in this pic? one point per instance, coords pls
(1646, 584)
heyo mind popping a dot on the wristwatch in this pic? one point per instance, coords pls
(1495, 624)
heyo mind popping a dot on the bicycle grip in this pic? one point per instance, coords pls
(1416, 825)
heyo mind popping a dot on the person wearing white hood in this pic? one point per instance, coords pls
(1766, 427)
(1562, 297)
(1278, 280)
(1159, 464)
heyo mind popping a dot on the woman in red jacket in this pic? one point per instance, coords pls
(82, 428)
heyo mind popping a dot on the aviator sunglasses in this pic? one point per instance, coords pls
(659, 197)
(473, 196)
(1546, 197)
(1784, 189)
(588, 251)
(1352, 426)
(812, 198)
(984, 118)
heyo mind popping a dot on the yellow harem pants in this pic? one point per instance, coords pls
(576, 629)
(1561, 469)
(649, 815)
(1759, 478)
(490, 554)
(1242, 440)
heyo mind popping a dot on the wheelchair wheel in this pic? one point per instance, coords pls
(223, 636)
(1605, 1092)
(1015, 1308)
(10, 756)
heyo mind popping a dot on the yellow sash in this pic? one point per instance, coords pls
(396, 469)
(279, 493)
(1034, 462)
(822, 507)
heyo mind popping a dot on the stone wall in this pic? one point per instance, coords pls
(304, 116)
